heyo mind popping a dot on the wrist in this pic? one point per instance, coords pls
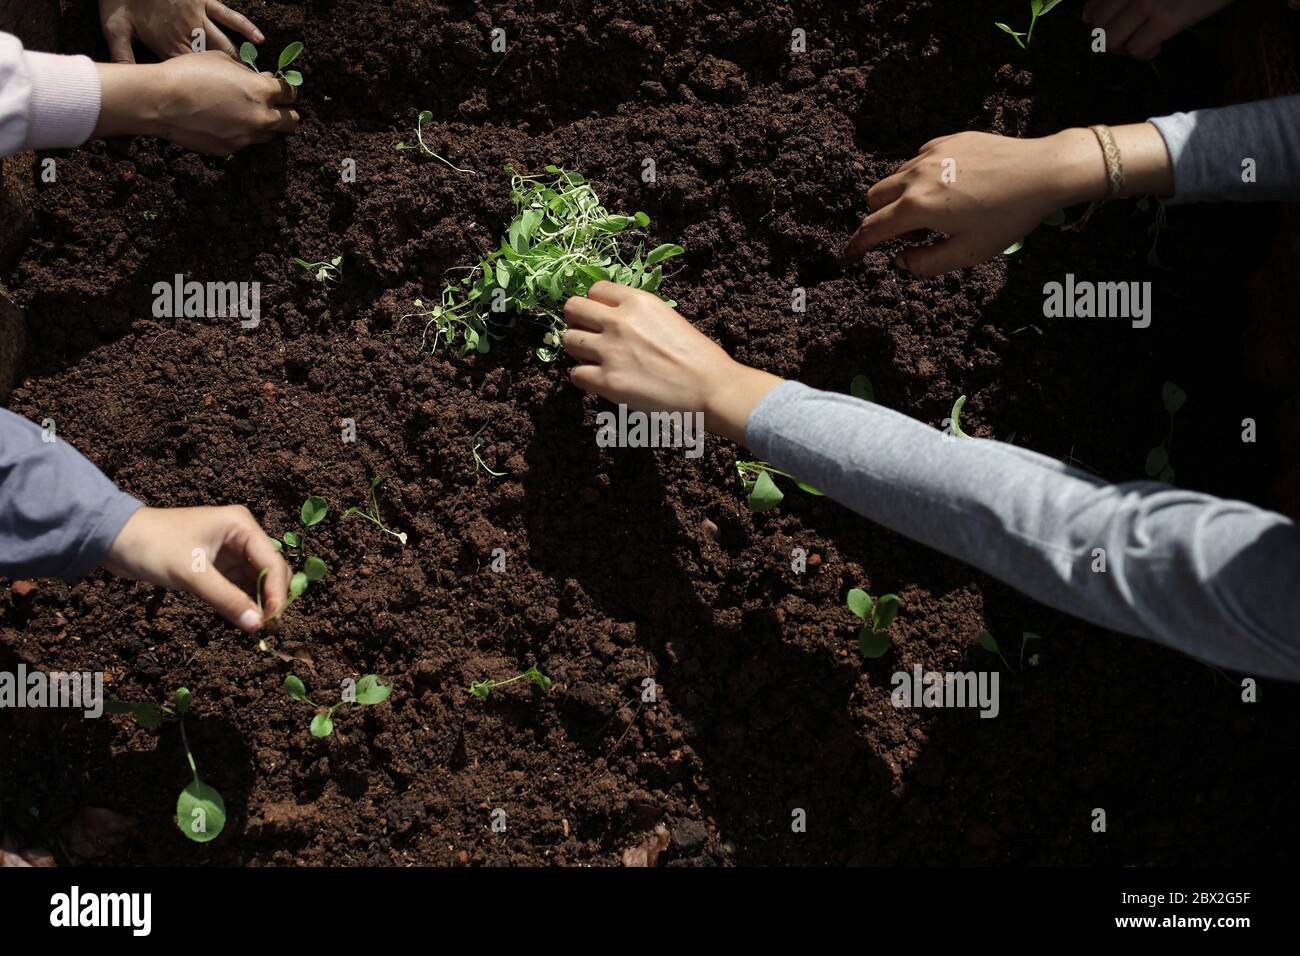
(1080, 168)
(132, 99)
(736, 392)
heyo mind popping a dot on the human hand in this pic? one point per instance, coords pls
(637, 351)
(216, 554)
(202, 101)
(166, 26)
(1140, 27)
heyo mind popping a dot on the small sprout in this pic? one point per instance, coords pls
(326, 272)
(369, 690)
(1015, 247)
(954, 419)
(373, 515)
(990, 644)
(312, 513)
(1037, 8)
(200, 808)
(862, 388)
(248, 53)
(764, 495)
(1157, 463)
(876, 616)
(476, 444)
(424, 117)
(482, 688)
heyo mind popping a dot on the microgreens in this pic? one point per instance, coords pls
(1157, 464)
(1037, 8)
(200, 809)
(372, 515)
(248, 53)
(423, 118)
(326, 272)
(990, 644)
(764, 495)
(312, 513)
(482, 688)
(560, 242)
(876, 616)
(371, 689)
(477, 443)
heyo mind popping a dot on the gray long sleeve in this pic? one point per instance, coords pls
(1209, 148)
(1214, 578)
(58, 513)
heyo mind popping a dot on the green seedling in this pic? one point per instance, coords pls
(764, 495)
(477, 443)
(1157, 464)
(369, 690)
(200, 808)
(1037, 8)
(990, 644)
(423, 118)
(482, 688)
(373, 515)
(312, 513)
(876, 616)
(560, 242)
(326, 273)
(248, 53)
(862, 388)
(953, 423)
(1155, 230)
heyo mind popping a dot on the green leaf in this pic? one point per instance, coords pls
(503, 274)
(292, 77)
(275, 543)
(1166, 475)
(480, 688)
(862, 388)
(1015, 247)
(293, 539)
(322, 725)
(1036, 7)
(315, 569)
(660, 253)
(988, 642)
(538, 678)
(313, 511)
(860, 603)
(290, 53)
(183, 699)
(1157, 461)
(298, 583)
(146, 715)
(804, 486)
(955, 417)
(248, 53)
(1173, 397)
(641, 219)
(371, 691)
(765, 495)
(873, 644)
(883, 614)
(200, 812)
(295, 688)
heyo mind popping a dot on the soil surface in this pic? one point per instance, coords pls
(627, 565)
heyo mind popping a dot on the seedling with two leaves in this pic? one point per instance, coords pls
(248, 53)
(560, 242)
(312, 513)
(373, 515)
(368, 691)
(876, 614)
(990, 644)
(1157, 463)
(482, 688)
(423, 118)
(763, 494)
(200, 808)
(326, 273)
(1037, 8)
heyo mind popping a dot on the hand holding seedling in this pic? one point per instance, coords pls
(635, 349)
(311, 513)
(216, 554)
(166, 28)
(985, 193)
(1140, 27)
(202, 101)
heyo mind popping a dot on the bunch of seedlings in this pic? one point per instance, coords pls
(248, 53)
(372, 515)
(294, 544)
(368, 691)
(876, 614)
(483, 688)
(762, 492)
(200, 808)
(560, 242)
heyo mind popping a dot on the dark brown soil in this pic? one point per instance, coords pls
(614, 571)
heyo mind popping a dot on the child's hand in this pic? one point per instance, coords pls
(166, 26)
(1140, 27)
(215, 554)
(637, 351)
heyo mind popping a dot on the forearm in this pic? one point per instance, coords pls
(1217, 579)
(59, 515)
(46, 101)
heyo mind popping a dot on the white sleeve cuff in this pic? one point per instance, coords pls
(65, 100)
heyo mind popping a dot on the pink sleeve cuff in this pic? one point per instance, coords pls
(65, 100)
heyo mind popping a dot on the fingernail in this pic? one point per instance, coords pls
(250, 620)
